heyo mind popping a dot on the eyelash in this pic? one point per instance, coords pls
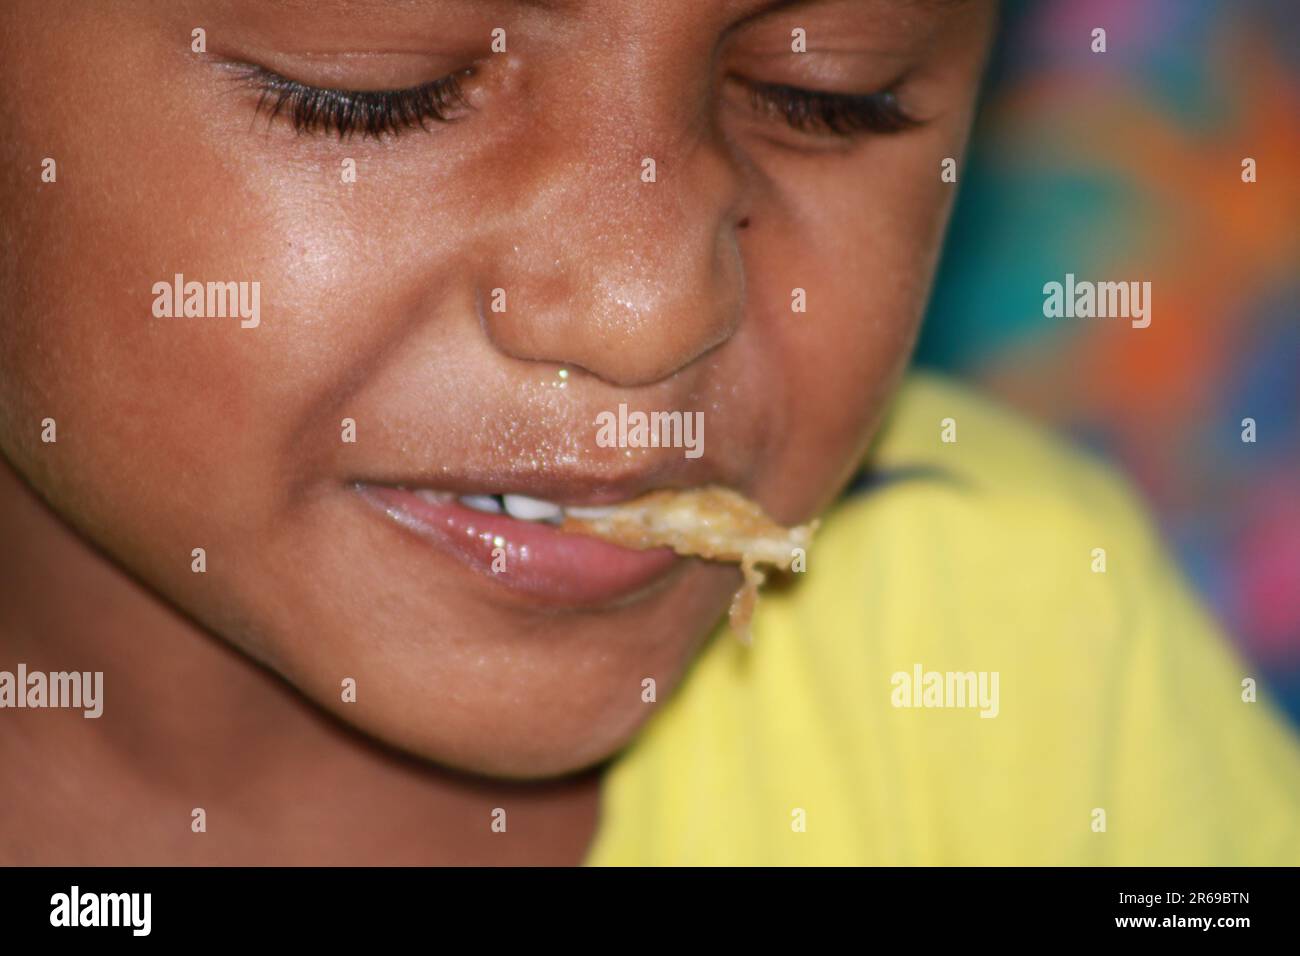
(376, 113)
(838, 114)
(371, 113)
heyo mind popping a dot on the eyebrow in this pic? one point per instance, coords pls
(343, 6)
(781, 6)
(355, 6)
(774, 6)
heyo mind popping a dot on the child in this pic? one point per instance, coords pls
(308, 315)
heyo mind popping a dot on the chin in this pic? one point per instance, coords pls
(511, 742)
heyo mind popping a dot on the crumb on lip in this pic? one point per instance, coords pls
(713, 523)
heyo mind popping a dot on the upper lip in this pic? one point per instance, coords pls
(562, 485)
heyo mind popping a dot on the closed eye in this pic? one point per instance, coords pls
(368, 113)
(836, 114)
(377, 113)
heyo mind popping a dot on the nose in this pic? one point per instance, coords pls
(622, 261)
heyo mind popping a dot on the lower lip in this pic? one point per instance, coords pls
(534, 558)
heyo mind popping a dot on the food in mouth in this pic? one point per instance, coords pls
(713, 523)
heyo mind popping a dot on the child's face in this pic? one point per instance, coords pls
(376, 305)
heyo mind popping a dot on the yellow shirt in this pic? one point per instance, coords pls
(1119, 736)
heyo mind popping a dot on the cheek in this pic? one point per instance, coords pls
(134, 206)
(172, 432)
(865, 252)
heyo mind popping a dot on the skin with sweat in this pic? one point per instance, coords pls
(222, 689)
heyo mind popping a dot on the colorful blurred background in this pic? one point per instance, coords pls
(1126, 165)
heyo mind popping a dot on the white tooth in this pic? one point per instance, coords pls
(589, 513)
(530, 509)
(481, 503)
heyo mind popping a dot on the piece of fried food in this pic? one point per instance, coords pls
(714, 523)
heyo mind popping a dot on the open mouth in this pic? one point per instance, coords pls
(516, 540)
(519, 507)
(571, 552)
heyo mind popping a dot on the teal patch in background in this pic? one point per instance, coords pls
(1011, 234)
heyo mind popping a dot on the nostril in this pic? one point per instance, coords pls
(743, 224)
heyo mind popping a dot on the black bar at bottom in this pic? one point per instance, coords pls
(331, 906)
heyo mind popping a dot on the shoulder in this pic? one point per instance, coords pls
(944, 444)
(971, 512)
(988, 657)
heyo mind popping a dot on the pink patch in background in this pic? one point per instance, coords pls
(1267, 569)
(1064, 28)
